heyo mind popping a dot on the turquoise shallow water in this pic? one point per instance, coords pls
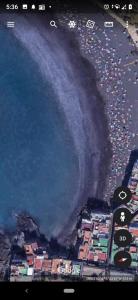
(38, 166)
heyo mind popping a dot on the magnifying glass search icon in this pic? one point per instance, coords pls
(53, 23)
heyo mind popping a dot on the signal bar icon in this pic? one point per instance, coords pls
(124, 7)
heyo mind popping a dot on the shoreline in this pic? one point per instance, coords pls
(91, 157)
(89, 152)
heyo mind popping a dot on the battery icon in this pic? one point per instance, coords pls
(130, 6)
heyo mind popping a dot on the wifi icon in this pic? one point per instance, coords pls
(124, 7)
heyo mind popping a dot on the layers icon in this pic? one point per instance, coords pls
(10, 24)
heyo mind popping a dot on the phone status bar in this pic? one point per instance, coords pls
(63, 6)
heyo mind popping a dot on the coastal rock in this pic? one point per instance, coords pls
(19, 239)
(5, 248)
(27, 224)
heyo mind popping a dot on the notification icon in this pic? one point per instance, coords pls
(24, 6)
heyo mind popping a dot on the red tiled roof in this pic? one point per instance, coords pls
(47, 264)
(55, 265)
(83, 252)
(134, 197)
(134, 231)
(133, 249)
(102, 256)
(81, 255)
(28, 249)
(87, 236)
(38, 264)
(30, 260)
(90, 256)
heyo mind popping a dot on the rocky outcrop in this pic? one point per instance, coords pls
(27, 224)
(5, 254)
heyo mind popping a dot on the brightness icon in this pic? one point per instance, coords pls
(72, 24)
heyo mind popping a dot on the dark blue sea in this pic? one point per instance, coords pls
(38, 165)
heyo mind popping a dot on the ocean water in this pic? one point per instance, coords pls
(38, 164)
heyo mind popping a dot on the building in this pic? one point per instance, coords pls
(76, 269)
(38, 262)
(94, 241)
(133, 186)
(65, 267)
(56, 266)
(47, 266)
(31, 249)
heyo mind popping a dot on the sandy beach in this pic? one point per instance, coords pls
(112, 52)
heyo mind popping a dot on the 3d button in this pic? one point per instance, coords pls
(122, 216)
(122, 195)
(122, 238)
(122, 259)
